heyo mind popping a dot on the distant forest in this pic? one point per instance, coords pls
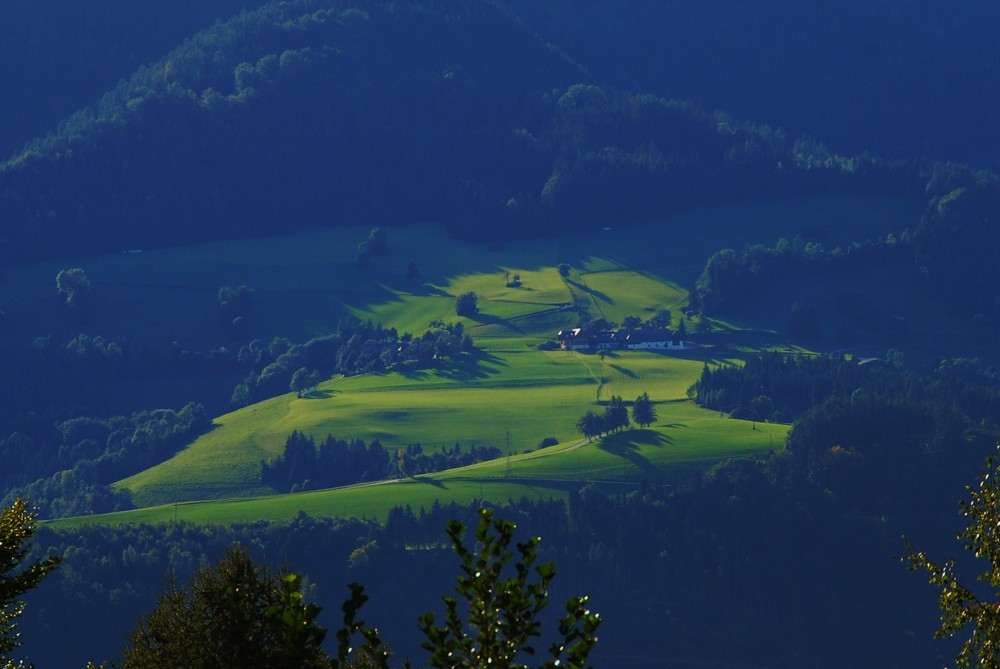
(270, 121)
(837, 71)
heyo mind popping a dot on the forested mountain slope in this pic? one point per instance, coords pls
(897, 79)
(56, 57)
(326, 111)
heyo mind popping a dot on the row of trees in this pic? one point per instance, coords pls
(730, 278)
(616, 417)
(305, 465)
(791, 385)
(355, 348)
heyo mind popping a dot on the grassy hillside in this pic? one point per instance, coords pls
(688, 438)
(532, 394)
(509, 385)
(304, 283)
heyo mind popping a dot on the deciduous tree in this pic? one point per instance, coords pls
(615, 415)
(234, 614)
(643, 411)
(17, 526)
(303, 379)
(961, 606)
(494, 620)
(467, 304)
(590, 425)
(73, 286)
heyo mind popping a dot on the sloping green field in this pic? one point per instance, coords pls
(532, 394)
(684, 439)
(303, 284)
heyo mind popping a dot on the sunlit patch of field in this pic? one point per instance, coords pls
(305, 283)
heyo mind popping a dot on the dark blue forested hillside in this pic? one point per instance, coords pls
(897, 79)
(331, 112)
(56, 57)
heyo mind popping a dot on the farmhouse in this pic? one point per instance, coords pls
(607, 340)
(641, 340)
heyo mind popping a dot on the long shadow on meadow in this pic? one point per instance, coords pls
(627, 445)
(625, 371)
(473, 366)
(483, 319)
(430, 481)
(318, 394)
(604, 297)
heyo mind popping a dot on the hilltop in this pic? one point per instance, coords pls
(314, 112)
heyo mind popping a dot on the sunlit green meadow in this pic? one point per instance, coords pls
(530, 394)
(685, 438)
(305, 283)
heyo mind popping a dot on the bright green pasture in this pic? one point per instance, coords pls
(305, 282)
(684, 438)
(370, 501)
(529, 393)
(619, 293)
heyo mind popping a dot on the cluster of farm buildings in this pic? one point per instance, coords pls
(578, 339)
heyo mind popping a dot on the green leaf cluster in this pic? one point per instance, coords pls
(235, 614)
(960, 606)
(494, 620)
(17, 526)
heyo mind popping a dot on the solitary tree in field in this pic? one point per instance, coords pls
(412, 273)
(467, 304)
(73, 286)
(961, 607)
(377, 244)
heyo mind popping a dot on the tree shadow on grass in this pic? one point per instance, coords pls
(429, 481)
(420, 288)
(483, 319)
(413, 370)
(626, 372)
(318, 394)
(604, 297)
(476, 365)
(626, 445)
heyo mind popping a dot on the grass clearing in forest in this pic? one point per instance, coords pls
(303, 284)
(529, 393)
(684, 439)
